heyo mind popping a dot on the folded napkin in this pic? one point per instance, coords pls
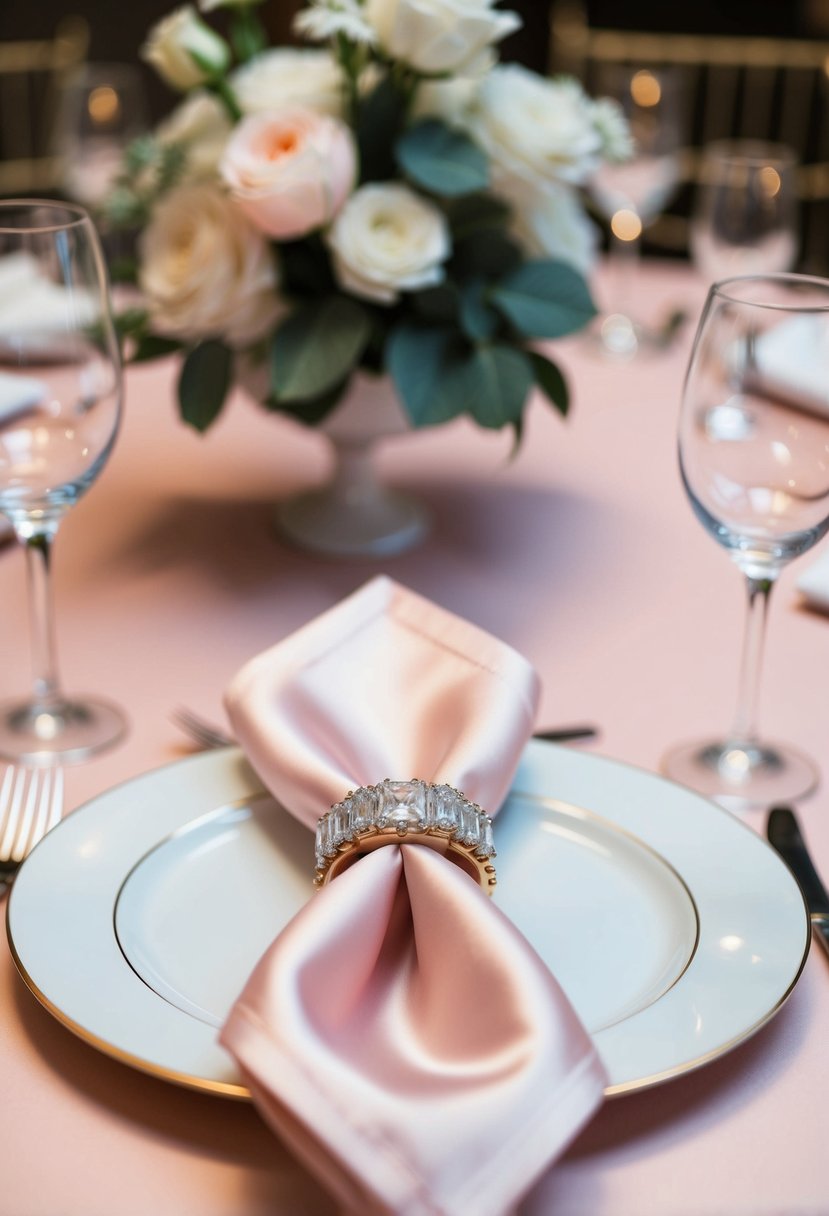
(790, 362)
(19, 394)
(33, 305)
(813, 583)
(400, 1034)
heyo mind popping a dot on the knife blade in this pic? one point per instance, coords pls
(784, 834)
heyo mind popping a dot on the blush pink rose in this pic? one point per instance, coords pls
(290, 170)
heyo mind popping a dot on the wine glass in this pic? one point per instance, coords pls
(60, 404)
(754, 460)
(102, 109)
(630, 195)
(745, 212)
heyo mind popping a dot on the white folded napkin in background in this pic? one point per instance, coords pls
(813, 583)
(791, 362)
(19, 394)
(31, 303)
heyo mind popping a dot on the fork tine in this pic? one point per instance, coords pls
(56, 803)
(198, 728)
(29, 821)
(11, 801)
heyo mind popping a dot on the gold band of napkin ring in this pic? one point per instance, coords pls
(405, 812)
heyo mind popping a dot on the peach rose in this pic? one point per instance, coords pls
(290, 170)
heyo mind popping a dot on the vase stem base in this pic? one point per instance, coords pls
(386, 525)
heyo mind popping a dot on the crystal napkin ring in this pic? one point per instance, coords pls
(415, 812)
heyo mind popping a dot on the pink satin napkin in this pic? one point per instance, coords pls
(400, 1035)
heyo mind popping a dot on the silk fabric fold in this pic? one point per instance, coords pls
(400, 1035)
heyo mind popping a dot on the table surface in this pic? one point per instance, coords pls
(583, 553)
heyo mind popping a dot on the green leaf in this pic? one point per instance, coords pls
(419, 359)
(247, 35)
(476, 213)
(441, 160)
(479, 321)
(490, 253)
(550, 380)
(203, 383)
(439, 377)
(381, 116)
(495, 381)
(544, 299)
(312, 410)
(517, 436)
(151, 346)
(317, 347)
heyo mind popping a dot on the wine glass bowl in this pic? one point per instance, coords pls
(754, 462)
(632, 193)
(60, 406)
(745, 211)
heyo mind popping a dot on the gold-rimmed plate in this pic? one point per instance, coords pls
(675, 930)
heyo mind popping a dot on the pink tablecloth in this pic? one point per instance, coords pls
(583, 553)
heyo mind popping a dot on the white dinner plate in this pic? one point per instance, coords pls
(674, 929)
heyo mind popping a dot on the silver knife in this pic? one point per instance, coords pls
(784, 834)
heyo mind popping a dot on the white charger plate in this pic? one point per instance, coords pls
(674, 929)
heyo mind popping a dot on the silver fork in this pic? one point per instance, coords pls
(205, 733)
(31, 804)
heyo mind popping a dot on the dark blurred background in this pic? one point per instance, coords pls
(116, 31)
(556, 36)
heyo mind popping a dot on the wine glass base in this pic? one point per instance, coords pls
(65, 733)
(381, 525)
(742, 776)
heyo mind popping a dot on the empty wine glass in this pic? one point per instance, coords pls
(102, 109)
(60, 404)
(754, 460)
(745, 212)
(631, 194)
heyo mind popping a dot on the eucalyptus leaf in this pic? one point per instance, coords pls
(204, 382)
(544, 299)
(495, 381)
(479, 321)
(317, 347)
(441, 160)
(311, 410)
(550, 380)
(152, 346)
(419, 359)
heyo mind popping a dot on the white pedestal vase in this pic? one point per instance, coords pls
(354, 514)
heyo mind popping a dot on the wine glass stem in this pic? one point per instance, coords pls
(38, 564)
(625, 257)
(743, 729)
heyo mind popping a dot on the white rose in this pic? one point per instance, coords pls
(387, 239)
(533, 128)
(551, 222)
(288, 77)
(439, 35)
(200, 125)
(446, 99)
(185, 51)
(205, 271)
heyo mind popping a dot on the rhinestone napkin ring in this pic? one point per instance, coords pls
(414, 812)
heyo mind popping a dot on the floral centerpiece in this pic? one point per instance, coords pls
(390, 199)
